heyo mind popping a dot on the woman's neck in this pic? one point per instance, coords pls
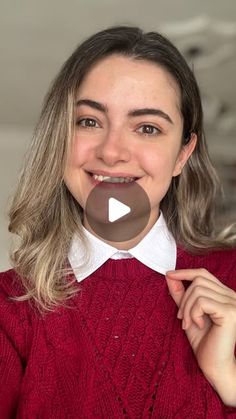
(132, 242)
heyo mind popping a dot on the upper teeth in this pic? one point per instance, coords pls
(113, 179)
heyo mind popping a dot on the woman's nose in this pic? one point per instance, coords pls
(113, 148)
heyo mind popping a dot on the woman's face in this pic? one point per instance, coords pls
(128, 124)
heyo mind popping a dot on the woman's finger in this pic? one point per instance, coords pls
(191, 274)
(197, 288)
(219, 313)
(194, 295)
(176, 290)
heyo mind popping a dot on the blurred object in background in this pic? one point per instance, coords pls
(209, 46)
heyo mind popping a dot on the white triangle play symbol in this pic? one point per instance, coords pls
(116, 209)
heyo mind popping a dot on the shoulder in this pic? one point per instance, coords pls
(10, 284)
(15, 316)
(10, 287)
(221, 263)
(216, 259)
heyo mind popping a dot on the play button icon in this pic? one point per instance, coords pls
(117, 212)
(116, 209)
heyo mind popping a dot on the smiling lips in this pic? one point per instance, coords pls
(111, 178)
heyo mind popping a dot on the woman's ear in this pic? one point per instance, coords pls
(184, 154)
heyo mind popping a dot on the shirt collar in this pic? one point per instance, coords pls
(157, 250)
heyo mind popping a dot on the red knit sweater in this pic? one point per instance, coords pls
(117, 352)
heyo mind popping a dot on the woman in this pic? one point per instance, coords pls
(143, 327)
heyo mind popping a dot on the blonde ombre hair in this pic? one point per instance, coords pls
(44, 214)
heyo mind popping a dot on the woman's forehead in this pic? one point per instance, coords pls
(125, 80)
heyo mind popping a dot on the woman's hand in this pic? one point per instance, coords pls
(208, 312)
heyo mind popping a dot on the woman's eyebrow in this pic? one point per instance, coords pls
(151, 111)
(93, 104)
(133, 113)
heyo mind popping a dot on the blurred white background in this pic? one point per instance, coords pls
(36, 38)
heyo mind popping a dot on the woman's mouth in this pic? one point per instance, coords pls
(111, 180)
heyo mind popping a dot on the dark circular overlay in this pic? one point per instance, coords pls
(117, 211)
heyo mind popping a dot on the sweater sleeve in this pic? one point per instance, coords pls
(12, 345)
(11, 372)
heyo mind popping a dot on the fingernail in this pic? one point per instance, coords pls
(184, 324)
(179, 314)
(178, 286)
(170, 272)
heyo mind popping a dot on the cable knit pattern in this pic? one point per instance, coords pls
(117, 351)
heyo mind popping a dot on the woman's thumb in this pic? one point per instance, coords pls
(176, 289)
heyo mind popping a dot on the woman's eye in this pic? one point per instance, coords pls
(149, 130)
(87, 123)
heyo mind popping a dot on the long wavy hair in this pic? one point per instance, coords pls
(45, 215)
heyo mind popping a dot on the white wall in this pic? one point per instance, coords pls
(13, 143)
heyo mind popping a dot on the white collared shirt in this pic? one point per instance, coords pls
(157, 250)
